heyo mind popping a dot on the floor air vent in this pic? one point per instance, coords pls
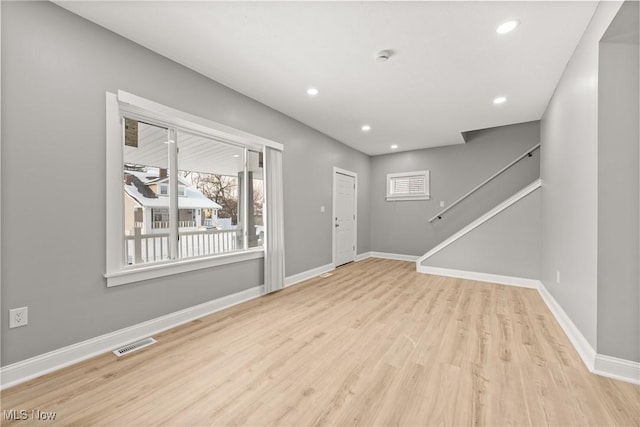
(325, 275)
(130, 348)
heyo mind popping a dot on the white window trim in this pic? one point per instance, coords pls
(395, 197)
(182, 190)
(139, 108)
(167, 268)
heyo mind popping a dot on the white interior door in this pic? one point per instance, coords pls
(344, 217)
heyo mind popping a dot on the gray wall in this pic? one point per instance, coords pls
(56, 68)
(618, 188)
(568, 169)
(402, 227)
(513, 237)
(308, 185)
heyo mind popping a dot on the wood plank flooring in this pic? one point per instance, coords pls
(375, 344)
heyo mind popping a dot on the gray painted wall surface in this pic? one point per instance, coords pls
(618, 188)
(308, 175)
(568, 169)
(403, 227)
(56, 68)
(508, 244)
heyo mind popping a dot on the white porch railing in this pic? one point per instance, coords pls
(146, 248)
(165, 224)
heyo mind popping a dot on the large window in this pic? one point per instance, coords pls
(188, 192)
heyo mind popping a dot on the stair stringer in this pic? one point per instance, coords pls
(487, 277)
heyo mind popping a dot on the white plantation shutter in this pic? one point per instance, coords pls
(408, 186)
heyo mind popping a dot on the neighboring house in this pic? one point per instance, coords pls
(147, 204)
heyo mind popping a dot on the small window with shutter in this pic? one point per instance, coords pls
(408, 186)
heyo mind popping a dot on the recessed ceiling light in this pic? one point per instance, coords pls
(383, 55)
(394, 146)
(500, 100)
(507, 27)
(236, 155)
(312, 91)
(365, 128)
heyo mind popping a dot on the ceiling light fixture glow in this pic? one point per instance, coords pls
(507, 27)
(365, 128)
(500, 100)
(394, 146)
(312, 91)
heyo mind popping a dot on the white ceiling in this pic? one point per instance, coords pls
(448, 62)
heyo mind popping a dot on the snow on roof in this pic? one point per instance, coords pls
(156, 180)
(144, 175)
(193, 198)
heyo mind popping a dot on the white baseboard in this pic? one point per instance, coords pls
(481, 277)
(34, 367)
(397, 257)
(599, 364)
(484, 218)
(618, 369)
(306, 275)
(385, 255)
(580, 343)
(363, 256)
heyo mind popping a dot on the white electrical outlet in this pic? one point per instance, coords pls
(558, 277)
(321, 209)
(18, 317)
(442, 203)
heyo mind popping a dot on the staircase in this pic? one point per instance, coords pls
(507, 234)
(500, 246)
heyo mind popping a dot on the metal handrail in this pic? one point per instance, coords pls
(483, 183)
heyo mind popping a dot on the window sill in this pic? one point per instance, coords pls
(402, 198)
(137, 274)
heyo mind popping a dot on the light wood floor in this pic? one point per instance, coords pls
(374, 344)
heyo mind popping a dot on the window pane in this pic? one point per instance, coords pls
(208, 196)
(146, 205)
(256, 199)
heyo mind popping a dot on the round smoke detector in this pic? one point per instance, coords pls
(383, 55)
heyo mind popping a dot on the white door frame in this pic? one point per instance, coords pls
(337, 170)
